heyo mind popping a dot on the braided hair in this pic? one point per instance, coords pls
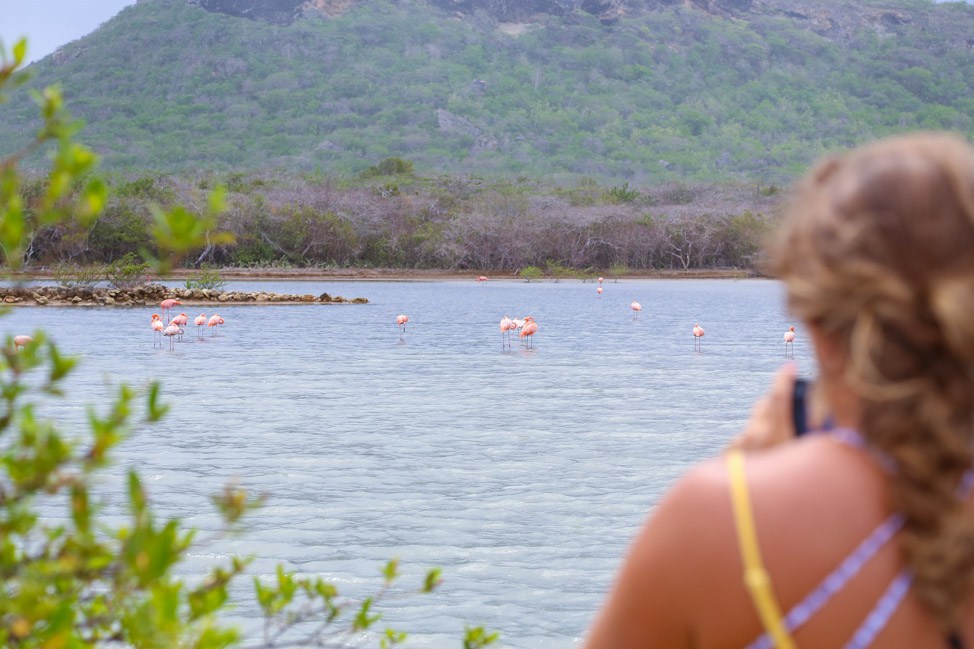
(877, 252)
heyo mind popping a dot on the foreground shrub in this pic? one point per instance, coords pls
(79, 581)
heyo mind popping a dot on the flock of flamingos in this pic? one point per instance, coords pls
(174, 330)
(525, 328)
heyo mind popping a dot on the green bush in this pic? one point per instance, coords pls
(558, 271)
(119, 231)
(623, 194)
(128, 272)
(529, 273)
(72, 276)
(389, 167)
(618, 270)
(206, 279)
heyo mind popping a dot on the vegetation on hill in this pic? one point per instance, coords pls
(668, 94)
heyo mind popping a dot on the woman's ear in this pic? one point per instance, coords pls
(829, 351)
(833, 400)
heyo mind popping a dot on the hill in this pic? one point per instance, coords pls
(643, 91)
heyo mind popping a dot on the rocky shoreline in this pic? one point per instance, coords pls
(152, 294)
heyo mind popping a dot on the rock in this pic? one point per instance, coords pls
(453, 123)
(508, 11)
(280, 12)
(109, 297)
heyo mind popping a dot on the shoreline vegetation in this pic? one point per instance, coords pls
(391, 223)
(416, 275)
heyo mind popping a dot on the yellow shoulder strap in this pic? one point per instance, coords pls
(756, 578)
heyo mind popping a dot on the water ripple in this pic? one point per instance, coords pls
(524, 473)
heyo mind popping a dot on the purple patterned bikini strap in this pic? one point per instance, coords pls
(854, 438)
(883, 612)
(836, 580)
(890, 601)
(887, 605)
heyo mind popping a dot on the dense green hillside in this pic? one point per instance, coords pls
(661, 94)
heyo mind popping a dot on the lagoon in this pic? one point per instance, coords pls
(523, 473)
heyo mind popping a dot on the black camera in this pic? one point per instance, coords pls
(799, 405)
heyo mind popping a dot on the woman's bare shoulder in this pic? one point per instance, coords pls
(682, 581)
(811, 470)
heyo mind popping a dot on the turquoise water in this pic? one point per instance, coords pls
(523, 473)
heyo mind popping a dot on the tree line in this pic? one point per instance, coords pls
(404, 221)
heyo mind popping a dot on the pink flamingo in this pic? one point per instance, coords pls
(22, 341)
(214, 321)
(157, 327)
(599, 291)
(506, 326)
(636, 308)
(180, 321)
(518, 325)
(200, 322)
(698, 333)
(171, 332)
(600, 279)
(790, 341)
(168, 304)
(527, 332)
(401, 320)
(483, 278)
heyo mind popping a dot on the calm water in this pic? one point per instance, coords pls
(523, 473)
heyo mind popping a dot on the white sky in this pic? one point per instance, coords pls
(49, 24)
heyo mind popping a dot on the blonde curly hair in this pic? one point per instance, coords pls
(877, 253)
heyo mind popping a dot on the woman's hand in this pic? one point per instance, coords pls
(771, 422)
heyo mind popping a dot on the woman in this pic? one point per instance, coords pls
(863, 536)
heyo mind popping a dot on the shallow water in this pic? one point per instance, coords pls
(524, 473)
